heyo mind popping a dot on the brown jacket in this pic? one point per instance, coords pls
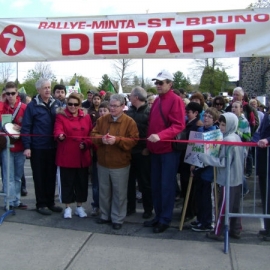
(118, 155)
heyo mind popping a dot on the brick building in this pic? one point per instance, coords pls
(254, 75)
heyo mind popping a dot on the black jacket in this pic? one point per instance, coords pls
(141, 117)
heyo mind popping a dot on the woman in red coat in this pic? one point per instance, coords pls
(72, 129)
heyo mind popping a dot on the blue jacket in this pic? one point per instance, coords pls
(39, 120)
(206, 173)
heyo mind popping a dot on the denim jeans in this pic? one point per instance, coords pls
(163, 171)
(16, 168)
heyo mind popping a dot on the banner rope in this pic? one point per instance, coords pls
(251, 144)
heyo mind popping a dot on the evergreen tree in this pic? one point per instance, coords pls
(213, 80)
(180, 81)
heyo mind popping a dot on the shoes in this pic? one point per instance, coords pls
(44, 211)
(160, 228)
(116, 226)
(202, 228)
(194, 223)
(68, 213)
(248, 175)
(56, 209)
(130, 212)
(147, 214)
(95, 212)
(22, 206)
(103, 221)
(151, 223)
(80, 212)
(24, 192)
(214, 236)
(235, 235)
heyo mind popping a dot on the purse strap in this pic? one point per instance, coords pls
(161, 113)
(16, 112)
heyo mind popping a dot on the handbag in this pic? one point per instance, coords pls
(177, 146)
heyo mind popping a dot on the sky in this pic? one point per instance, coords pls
(94, 69)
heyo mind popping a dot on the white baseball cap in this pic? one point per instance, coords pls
(164, 75)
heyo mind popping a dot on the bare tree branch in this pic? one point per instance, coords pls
(6, 70)
(122, 71)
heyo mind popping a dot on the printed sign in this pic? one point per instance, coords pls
(193, 149)
(219, 34)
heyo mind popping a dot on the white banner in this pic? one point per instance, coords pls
(221, 34)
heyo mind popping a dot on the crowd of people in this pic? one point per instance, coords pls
(126, 146)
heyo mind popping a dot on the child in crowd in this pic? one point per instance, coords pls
(193, 122)
(244, 132)
(103, 109)
(228, 123)
(203, 178)
(243, 129)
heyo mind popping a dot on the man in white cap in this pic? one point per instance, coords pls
(167, 119)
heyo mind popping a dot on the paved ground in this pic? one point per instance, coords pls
(32, 241)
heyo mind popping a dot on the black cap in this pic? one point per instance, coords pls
(194, 106)
(91, 92)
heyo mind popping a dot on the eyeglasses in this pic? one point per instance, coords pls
(73, 104)
(159, 83)
(208, 116)
(10, 93)
(218, 104)
(114, 106)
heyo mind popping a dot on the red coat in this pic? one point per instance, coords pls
(173, 109)
(76, 130)
(6, 109)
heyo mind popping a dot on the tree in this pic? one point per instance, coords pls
(213, 80)
(122, 71)
(41, 70)
(6, 70)
(85, 83)
(105, 83)
(260, 4)
(180, 81)
(200, 64)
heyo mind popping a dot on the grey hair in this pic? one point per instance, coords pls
(118, 97)
(40, 82)
(140, 93)
(239, 90)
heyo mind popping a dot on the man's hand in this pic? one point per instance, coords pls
(262, 143)
(153, 138)
(61, 137)
(27, 153)
(111, 139)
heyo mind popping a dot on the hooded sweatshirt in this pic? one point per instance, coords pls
(235, 161)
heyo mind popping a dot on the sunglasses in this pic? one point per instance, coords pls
(218, 104)
(10, 93)
(73, 104)
(159, 83)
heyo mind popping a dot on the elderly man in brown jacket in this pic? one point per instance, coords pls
(114, 135)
